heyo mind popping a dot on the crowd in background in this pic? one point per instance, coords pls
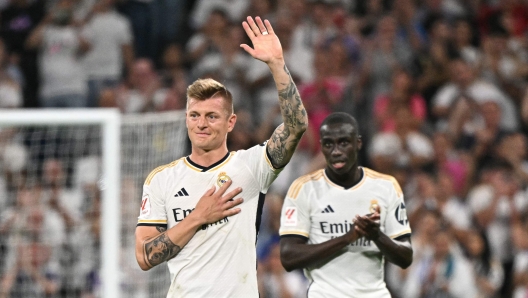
(439, 88)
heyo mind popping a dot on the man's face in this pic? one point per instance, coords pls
(340, 145)
(208, 122)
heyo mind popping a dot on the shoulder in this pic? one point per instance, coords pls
(384, 180)
(300, 182)
(161, 170)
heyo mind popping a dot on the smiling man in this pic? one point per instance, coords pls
(341, 222)
(209, 239)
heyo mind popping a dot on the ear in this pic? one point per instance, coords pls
(231, 122)
(359, 142)
(186, 120)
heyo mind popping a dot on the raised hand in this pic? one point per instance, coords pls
(266, 45)
(368, 226)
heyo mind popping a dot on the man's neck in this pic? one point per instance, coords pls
(207, 158)
(347, 180)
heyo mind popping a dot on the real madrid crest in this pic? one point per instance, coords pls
(222, 178)
(374, 206)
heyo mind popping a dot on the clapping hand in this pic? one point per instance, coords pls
(266, 45)
(368, 225)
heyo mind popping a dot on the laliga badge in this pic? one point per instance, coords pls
(374, 206)
(222, 178)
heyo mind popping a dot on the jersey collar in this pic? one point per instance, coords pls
(200, 168)
(363, 175)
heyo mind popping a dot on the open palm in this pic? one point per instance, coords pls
(266, 47)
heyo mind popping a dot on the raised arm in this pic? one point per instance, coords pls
(267, 48)
(155, 245)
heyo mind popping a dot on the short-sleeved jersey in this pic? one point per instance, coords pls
(220, 259)
(318, 209)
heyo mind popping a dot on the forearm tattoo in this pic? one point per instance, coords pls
(286, 137)
(159, 250)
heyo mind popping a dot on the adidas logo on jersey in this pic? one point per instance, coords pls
(328, 209)
(182, 193)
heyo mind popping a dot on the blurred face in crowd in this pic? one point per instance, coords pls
(442, 244)
(340, 144)
(429, 223)
(491, 113)
(445, 187)
(462, 33)
(173, 56)
(216, 22)
(142, 74)
(208, 122)
(401, 82)
(475, 244)
(461, 73)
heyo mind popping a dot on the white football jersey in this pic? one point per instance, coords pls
(319, 210)
(220, 260)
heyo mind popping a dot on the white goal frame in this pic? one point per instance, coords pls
(110, 122)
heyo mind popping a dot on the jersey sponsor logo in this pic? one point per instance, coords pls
(338, 229)
(180, 214)
(145, 205)
(401, 214)
(290, 216)
(182, 193)
(222, 178)
(328, 209)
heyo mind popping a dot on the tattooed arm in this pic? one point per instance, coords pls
(155, 245)
(267, 48)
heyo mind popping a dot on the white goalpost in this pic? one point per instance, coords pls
(109, 121)
(97, 149)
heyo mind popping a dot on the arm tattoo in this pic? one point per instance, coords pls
(159, 250)
(161, 229)
(286, 137)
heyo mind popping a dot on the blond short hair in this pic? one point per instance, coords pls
(203, 89)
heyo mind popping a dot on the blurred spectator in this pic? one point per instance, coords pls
(276, 282)
(481, 133)
(33, 273)
(384, 54)
(463, 41)
(320, 97)
(404, 147)
(316, 29)
(494, 204)
(450, 161)
(61, 72)
(10, 81)
(488, 270)
(10, 70)
(402, 94)
(210, 37)
(155, 24)
(464, 84)
(408, 18)
(513, 149)
(500, 66)
(491, 16)
(426, 227)
(110, 37)
(233, 9)
(444, 273)
(17, 21)
(520, 239)
(174, 80)
(137, 94)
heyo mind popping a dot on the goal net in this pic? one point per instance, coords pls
(70, 191)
